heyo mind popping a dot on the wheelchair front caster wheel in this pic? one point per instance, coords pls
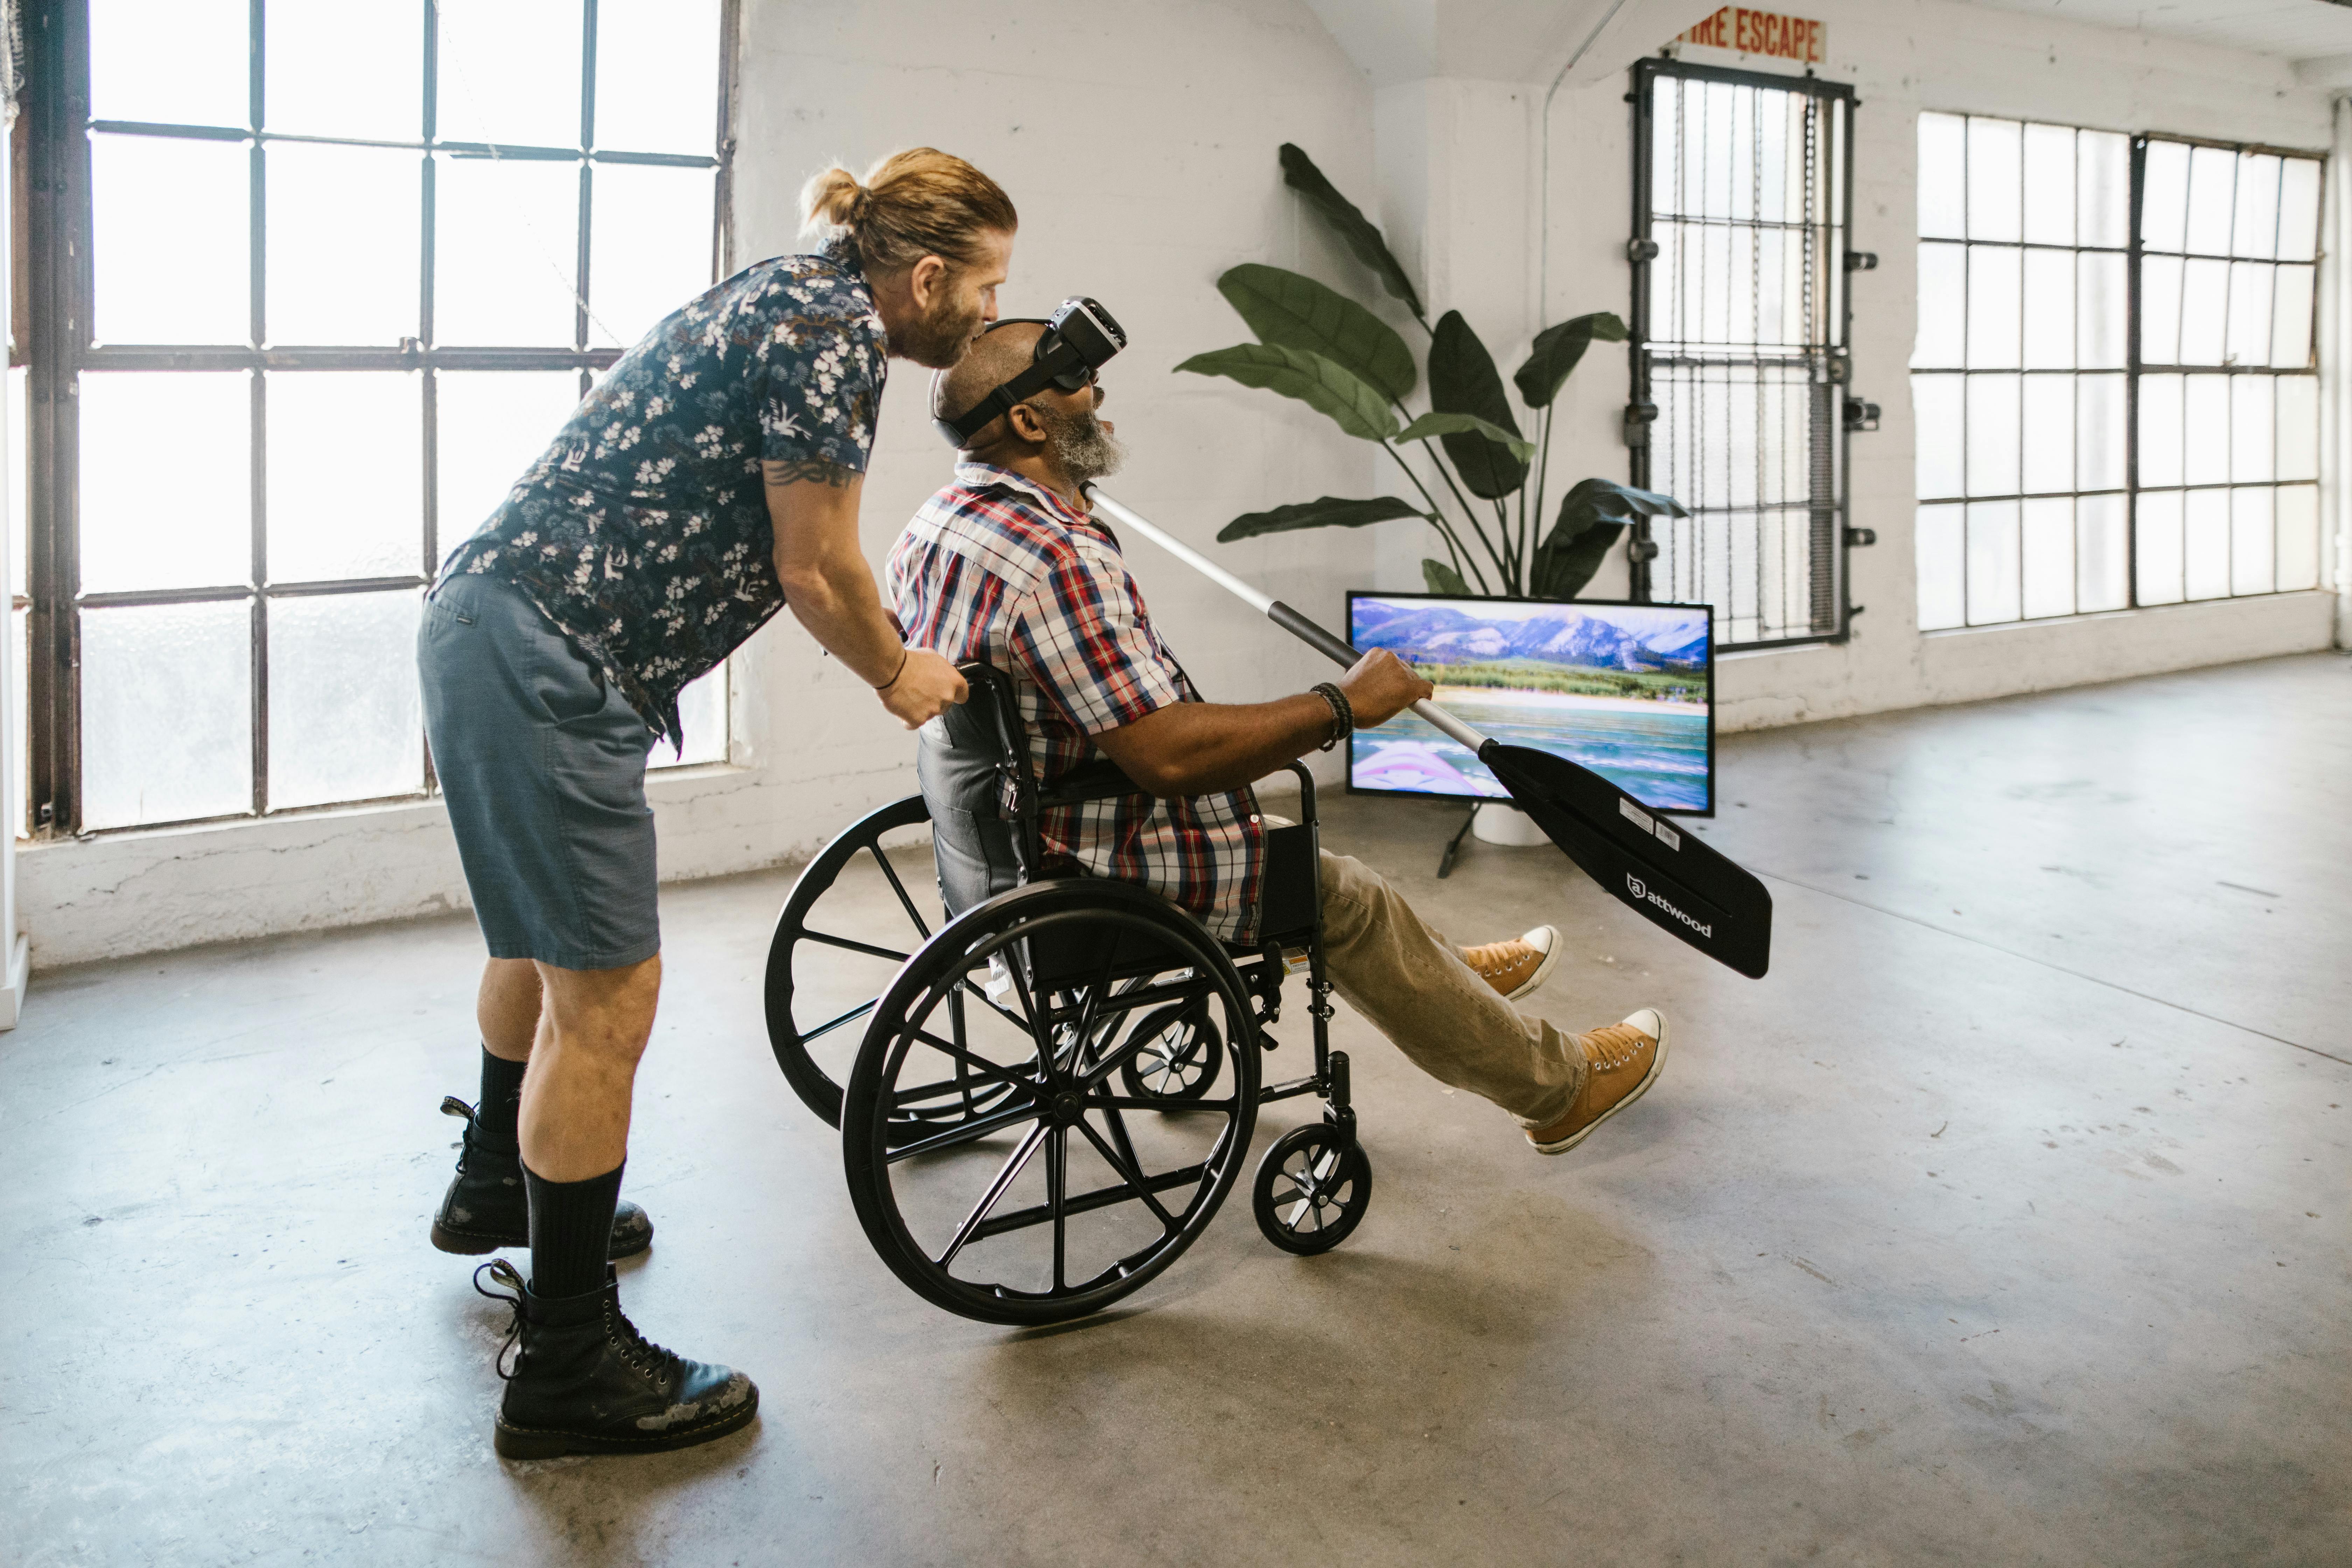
(1176, 1057)
(1312, 1189)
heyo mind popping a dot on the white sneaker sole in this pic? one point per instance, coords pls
(1657, 1066)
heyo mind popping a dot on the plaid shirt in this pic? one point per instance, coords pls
(998, 568)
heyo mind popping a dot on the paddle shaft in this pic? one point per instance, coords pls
(1339, 652)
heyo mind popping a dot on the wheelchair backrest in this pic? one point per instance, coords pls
(973, 763)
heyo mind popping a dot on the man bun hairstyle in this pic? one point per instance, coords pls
(921, 202)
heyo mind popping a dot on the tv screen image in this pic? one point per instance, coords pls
(1624, 690)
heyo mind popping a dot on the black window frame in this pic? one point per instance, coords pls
(1831, 414)
(58, 128)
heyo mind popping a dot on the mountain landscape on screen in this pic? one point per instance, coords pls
(1443, 633)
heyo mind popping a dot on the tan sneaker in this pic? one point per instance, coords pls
(1623, 1060)
(1516, 967)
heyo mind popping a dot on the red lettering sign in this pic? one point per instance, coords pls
(1767, 33)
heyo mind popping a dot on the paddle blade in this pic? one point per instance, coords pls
(1674, 879)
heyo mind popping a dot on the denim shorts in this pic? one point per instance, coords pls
(543, 766)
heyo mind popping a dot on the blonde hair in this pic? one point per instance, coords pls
(921, 202)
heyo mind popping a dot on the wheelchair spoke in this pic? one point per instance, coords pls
(1123, 1161)
(1086, 1202)
(1057, 1175)
(898, 887)
(991, 1003)
(825, 1028)
(1129, 1102)
(996, 1190)
(853, 945)
(969, 1133)
(959, 1090)
(980, 1065)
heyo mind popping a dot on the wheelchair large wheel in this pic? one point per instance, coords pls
(852, 919)
(1051, 1202)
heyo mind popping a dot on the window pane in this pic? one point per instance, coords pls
(702, 711)
(2299, 209)
(195, 426)
(20, 628)
(651, 246)
(2049, 184)
(19, 475)
(170, 229)
(1992, 437)
(1943, 174)
(2298, 427)
(2099, 433)
(2256, 230)
(2205, 544)
(2046, 559)
(510, 71)
(174, 62)
(1992, 562)
(345, 723)
(2249, 312)
(657, 74)
(2049, 309)
(506, 253)
(1995, 183)
(335, 69)
(2100, 314)
(2252, 542)
(2205, 430)
(2291, 318)
(2101, 558)
(2160, 430)
(1936, 415)
(2212, 199)
(1943, 567)
(166, 713)
(493, 425)
(2104, 211)
(2049, 430)
(342, 244)
(2252, 429)
(2298, 538)
(326, 429)
(2158, 548)
(2164, 197)
(2159, 311)
(1993, 307)
(1943, 303)
(2204, 310)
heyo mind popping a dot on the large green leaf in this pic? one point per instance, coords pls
(1296, 313)
(1556, 351)
(1429, 424)
(1441, 578)
(1299, 172)
(1309, 377)
(1463, 380)
(1328, 512)
(1592, 515)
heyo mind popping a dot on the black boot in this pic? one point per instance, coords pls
(486, 1207)
(585, 1381)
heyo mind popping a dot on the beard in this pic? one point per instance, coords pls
(941, 338)
(1078, 445)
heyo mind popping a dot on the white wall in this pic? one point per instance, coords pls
(1904, 56)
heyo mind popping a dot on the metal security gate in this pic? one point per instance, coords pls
(1742, 208)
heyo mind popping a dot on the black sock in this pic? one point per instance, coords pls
(570, 1231)
(502, 1106)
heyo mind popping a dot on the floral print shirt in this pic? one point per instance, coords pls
(642, 532)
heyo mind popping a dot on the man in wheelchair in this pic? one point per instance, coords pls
(1006, 565)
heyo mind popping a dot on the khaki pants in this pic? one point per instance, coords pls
(1413, 987)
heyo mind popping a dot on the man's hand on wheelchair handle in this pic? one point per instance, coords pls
(927, 685)
(1380, 686)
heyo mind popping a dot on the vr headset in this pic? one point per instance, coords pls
(1079, 338)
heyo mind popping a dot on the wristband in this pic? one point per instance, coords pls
(1343, 717)
(904, 654)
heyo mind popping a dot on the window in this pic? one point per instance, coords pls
(314, 283)
(2110, 412)
(1740, 329)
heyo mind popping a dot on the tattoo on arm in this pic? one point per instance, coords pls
(806, 470)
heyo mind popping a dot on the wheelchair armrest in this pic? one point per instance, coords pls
(1098, 780)
(1305, 792)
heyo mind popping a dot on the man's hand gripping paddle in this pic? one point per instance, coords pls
(1674, 881)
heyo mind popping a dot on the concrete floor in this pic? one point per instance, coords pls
(2006, 1222)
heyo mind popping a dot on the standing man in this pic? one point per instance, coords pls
(711, 479)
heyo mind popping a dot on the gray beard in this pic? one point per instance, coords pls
(1078, 445)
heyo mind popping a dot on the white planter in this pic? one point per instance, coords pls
(1498, 823)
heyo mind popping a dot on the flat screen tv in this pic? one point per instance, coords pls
(1625, 690)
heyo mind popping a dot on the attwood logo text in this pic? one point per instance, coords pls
(1642, 895)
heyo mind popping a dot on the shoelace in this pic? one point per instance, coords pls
(452, 1106)
(1608, 1040)
(502, 1272)
(638, 1351)
(1491, 958)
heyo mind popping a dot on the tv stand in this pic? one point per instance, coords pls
(1453, 845)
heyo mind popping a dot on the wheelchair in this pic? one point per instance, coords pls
(1057, 1076)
